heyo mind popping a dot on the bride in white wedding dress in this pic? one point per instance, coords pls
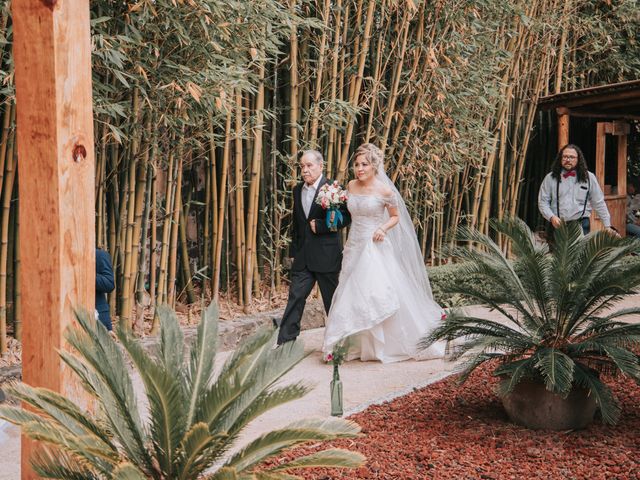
(383, 301)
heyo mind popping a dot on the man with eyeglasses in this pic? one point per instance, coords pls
(569, 192)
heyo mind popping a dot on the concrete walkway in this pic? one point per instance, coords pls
(364, 384)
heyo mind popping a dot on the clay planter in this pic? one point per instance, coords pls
(530, 404)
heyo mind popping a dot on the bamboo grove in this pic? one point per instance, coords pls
(201, 108)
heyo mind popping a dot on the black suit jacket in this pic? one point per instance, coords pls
(321, 251)
(105, 283)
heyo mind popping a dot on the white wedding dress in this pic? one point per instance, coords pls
(383, 301)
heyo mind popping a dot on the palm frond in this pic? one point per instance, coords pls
(225, 473)
(171, 341)
(110, 380)
(128, 471)
(469, 365)
(334, 457)
(458, 325)
(533, 259)
(512, 372)
(624, 359)
(203, 356)
(622, 333)
(275, 442)
(54, 463)
(245, 353)
(609, 408)
(268, 400)
(166, 401)
(83, 448)
(66, 414)
(265, 368)
(108, 444)
(508, 278)
(556, 369)
(196, 451)
(270, 475)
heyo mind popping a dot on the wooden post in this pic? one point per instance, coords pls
(52, 54)
(601, 145)
(622, 165)
(563, 127)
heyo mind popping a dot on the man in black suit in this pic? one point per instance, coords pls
(105, 283)
(316, 250)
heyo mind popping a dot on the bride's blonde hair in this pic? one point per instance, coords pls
(372, 153)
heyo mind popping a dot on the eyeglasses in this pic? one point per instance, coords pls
(569, 157)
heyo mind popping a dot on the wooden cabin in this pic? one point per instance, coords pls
(609, 111)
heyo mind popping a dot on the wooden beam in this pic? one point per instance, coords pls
(622, 165)
(601, 139)
(617, 115)
(583, 100)
(52, 54)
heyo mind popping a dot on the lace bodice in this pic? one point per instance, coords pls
(367, 212)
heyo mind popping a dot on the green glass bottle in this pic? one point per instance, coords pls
(336, 393)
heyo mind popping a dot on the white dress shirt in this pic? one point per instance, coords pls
(572, 198)
(308, 194)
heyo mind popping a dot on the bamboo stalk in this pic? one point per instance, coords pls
(239, 202)
(128, 274)
(154, 233)
(254, 184)
(221, 207)
(334, 83)
(7, 193)
(17, 297)
(213, 199)
(354, 90)
(396, 80)
(184, 255)
(139, 223)
(175, 223)
(294, 92)
(166, 231)
(7, 125)
(315, 113)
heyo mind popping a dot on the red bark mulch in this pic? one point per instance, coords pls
(451, 431)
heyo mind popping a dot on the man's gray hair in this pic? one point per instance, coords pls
(315, 155)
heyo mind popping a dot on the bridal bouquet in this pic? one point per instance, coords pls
(331, 197)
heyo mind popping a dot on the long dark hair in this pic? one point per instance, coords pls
(581, 168)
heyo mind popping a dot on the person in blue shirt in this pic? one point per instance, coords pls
(105, 283)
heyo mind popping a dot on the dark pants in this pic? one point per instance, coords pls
(584, 222)
(302, 282)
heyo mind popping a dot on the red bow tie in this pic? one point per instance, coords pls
(571, 173)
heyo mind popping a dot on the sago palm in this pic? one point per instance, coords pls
(558, 323)
(193, 416)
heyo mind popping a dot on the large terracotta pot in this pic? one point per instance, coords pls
(532, 405)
